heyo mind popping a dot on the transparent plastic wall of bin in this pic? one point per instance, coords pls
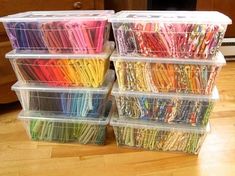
(167, 34)
(59, 31)
(63, 101)
(158, 137)
(83, 70)
(170, 108)
(53, 129)
(149, 74)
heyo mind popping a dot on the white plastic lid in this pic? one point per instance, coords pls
(194, 97)
(109, 78)
(90, 15)
(192, 17)
(26, 54)
(218, 59)
(116, 122)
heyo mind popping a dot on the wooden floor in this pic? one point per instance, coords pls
(21, 157)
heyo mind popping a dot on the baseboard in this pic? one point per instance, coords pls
(228, 48)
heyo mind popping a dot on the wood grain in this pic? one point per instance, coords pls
(119, 5)
(21, 157)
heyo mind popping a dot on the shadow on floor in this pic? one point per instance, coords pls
(5, 108)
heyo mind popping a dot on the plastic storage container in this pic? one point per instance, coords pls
(59, 31)
(53, 129)
(167, 34)
(169, 108)
(87, 70)
(167, 75)
(152, 136)
(63, 101)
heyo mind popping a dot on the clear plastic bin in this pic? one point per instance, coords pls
(64, 101)
(167, 75)
(165, 107)
(53, 129)
(83, 70)
(167, 34)
(160, 137)
(59, 31)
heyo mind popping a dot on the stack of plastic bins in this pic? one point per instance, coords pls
(166, 65)
(61, 60)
